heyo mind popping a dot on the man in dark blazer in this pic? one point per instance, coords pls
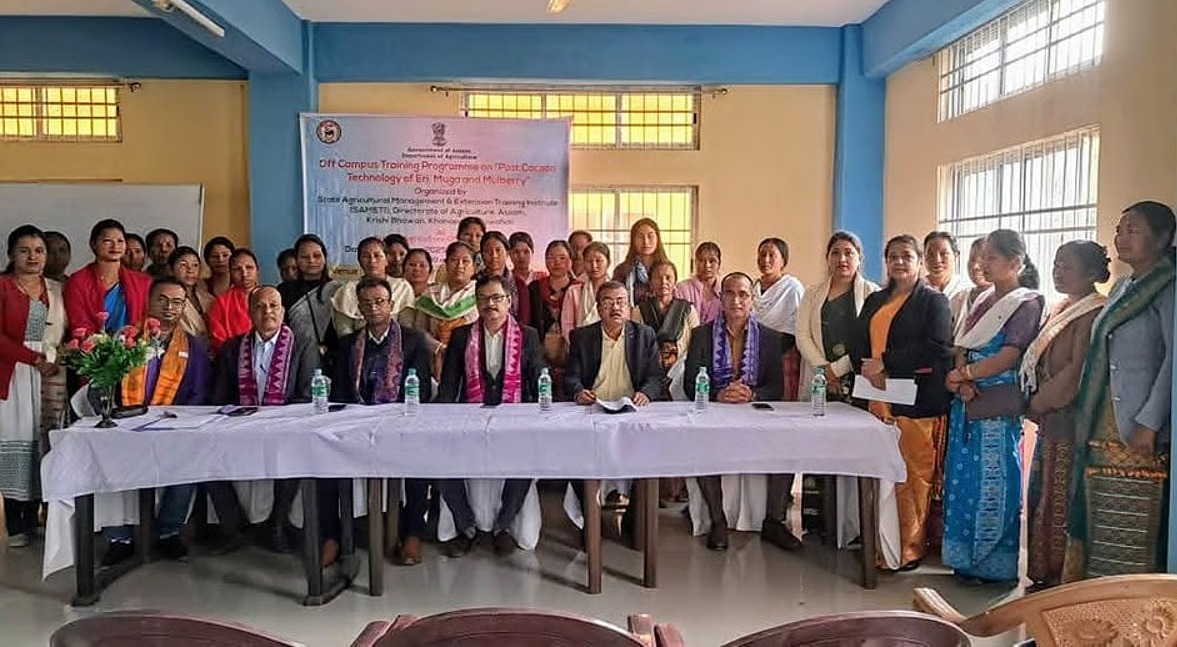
(363, 373)
(730, 385)
(592, 346)
(611, 359)
(498, 374)
(267, 366)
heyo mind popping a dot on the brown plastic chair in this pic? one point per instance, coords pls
(1119, 610)
(159, 629)
(515, 627)
(862, 629)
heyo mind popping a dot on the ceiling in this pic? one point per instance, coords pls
(696, 12)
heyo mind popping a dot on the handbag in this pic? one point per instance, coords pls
(1002, 400)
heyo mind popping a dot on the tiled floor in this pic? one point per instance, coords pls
(711, 597)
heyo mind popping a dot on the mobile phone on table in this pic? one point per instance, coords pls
(332, 408)
(762, 406)
(241, 411)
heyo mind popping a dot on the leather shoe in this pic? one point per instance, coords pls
(458, 546)
(717, 537)
(330, 552)
(504, 543)
(117, 552)
(408, 553)
(776, 533)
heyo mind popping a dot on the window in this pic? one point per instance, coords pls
(609, 212)
(1039, 41)
(59, 113)
(601, 119)
(1045, 190)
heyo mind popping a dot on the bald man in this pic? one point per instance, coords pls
(268, 366)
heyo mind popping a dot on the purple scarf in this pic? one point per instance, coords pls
(388, 388)
(721, 360)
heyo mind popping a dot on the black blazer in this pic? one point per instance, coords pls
(919, 345)
(304, 361)
(641, 355)
(770, 383)
(414, 354)
(452, 387)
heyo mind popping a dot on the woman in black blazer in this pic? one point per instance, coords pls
(905, 332)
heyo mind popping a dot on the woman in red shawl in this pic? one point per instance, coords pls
(229, 316)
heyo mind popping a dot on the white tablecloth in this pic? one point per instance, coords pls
(464, 441)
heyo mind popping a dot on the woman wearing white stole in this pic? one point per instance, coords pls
(32, 323)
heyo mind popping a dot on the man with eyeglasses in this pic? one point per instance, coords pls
(744, 360)
(267, 366)
(371, 365)
(179, 374)
(492, 361)
(612, 359)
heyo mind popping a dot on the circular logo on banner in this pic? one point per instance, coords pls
(328, 131)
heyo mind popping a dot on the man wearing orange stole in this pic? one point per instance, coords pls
(178, 374)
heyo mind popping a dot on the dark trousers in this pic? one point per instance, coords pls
(229, 510)
(414, 509)
(777, 499)
(454, 493)
(20, 516)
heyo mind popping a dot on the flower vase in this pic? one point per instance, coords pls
(105, 407)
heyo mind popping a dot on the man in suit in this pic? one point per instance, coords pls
(179, 375)
(744, 361)
(370, 368)
(612, 359)
(267, 366)
(493, 360)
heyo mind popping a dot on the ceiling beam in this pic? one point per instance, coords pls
(260, 35)
(903, 31)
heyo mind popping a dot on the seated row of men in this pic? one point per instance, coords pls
(493, 360)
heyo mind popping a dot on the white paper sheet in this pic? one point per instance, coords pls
(898, 391)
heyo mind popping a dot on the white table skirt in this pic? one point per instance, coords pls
(464, 441)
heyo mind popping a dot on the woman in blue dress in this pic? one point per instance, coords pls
(983, 488)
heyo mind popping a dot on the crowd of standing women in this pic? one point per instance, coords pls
(986, 353)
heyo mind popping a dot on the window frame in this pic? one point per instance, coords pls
(42, 108)
(621, 244)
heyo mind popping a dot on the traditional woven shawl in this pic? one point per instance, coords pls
(976, 332)
(1028, 375)
(172, 367)
(512, 363)
(274, 393)
(721, 359)
(387, 389)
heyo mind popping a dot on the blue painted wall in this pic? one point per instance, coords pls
(603, 53)
(859, 152)
(260, 35)
(903, 31)
(126, 47)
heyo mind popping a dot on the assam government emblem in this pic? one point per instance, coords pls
(438, 134)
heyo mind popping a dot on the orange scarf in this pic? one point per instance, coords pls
(171, 372)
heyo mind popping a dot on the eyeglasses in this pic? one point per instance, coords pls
(491, 299)
(167, 303)
(610, 303)
(374, 303)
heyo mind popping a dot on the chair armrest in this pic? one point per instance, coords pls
(929, 601)
(372, 633)
(668, 636)
(641, 625)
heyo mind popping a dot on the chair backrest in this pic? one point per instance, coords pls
(1123, 609)
(158, 629)
(863, 629)
(496, 627)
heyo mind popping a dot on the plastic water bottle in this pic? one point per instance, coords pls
(545, 390)
(817, 391)
(319, 389)
(702, 389)
(412, 393)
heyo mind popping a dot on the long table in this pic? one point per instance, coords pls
(176, 445)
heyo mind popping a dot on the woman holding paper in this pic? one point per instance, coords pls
(983, 494)
(904, 332)
(1050, 373)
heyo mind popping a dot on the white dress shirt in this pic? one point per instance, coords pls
(493, 347)
(263, 353)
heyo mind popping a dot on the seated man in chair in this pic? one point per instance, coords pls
(266, 366)
(493, 360)
(371, 365)
(178, 374)
(744, 360)
(612, 359)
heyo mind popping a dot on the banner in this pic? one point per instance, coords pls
(372, 175)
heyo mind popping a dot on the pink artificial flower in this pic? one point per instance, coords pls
(130, 332)
(73, 345)
(103, 316)
(152, 325)
(88, 345)
(130, 342)
(79, 333)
